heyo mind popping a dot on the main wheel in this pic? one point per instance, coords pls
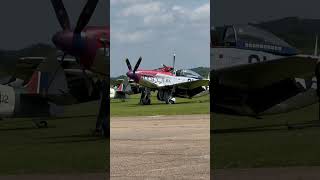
(146, 101)
(170, 100)
(42, 124)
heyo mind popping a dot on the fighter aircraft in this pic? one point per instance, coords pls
(168, 82)
(121, 89)
(48, 89)
(90, 47)
(255, 73)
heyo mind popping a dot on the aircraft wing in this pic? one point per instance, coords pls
(259, 75)
(193, 84)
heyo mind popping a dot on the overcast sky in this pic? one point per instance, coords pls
(32, 21)
(225, 12)
(153, 29)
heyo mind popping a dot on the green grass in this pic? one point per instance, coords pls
(233, 145)
(183, 106)
(66, 146)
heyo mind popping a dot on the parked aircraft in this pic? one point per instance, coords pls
(168, 82)
(121, 89)
(48, 89)
(255, 73)
(90, 47)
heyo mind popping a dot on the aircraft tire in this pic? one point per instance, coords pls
(170, 101)
(146, 101)
(43, 124)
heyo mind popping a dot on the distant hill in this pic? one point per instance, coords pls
(203, 71)
(32, 50)
(9, 57)
(300, 33)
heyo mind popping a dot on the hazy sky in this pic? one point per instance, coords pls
(153, 29)
(224, 12)
(32, 21)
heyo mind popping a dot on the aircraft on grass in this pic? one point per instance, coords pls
(255, 73)
(90, 46)
(49, 88)
(169, 83)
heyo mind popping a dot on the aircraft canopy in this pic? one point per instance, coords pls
(248, 33)
(188, 73)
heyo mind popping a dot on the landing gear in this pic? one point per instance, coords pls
(170, 100)
(166, 96)
(145, 96)
(102, 123)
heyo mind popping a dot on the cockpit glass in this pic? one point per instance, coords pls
(188, 73)
(250, 33)
(230, 35)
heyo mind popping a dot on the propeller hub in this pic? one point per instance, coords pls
(70, 43)
(62, 40)
(133, 76)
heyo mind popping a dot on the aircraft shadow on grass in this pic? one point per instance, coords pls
(77, 116)
(75, 138)
(23, 128)
(163, 104)
(266, 128)
(36, 128)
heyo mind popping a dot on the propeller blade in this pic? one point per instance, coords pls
(61, 14)
(86, 15)
(137, 65)
(128, 64)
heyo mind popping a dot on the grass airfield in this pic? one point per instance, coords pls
(243, 142)
(160, 141)
(66, 146)
(183, 106)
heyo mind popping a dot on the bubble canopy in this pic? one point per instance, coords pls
(252, 34)
(188, 73)
(252, 37)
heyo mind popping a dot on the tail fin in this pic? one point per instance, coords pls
(48, 79)
(33, 85)
(125, 86)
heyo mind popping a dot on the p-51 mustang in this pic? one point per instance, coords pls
(255, 73)
(48, 89)
(168, 82)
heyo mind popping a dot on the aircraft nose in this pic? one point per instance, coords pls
(129, 74)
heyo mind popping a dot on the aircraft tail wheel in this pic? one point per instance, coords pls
(42, 124)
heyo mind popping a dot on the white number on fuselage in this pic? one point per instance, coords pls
(4, 98)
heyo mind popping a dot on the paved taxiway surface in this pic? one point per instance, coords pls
(166, 147)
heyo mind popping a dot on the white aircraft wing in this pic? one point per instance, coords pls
(259, 75)
(193, 84)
